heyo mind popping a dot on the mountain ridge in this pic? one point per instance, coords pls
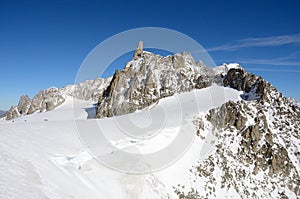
(49, 99)
(149, 77)
(257, 148)
(255, 134)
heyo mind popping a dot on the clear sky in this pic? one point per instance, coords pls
(43, 43)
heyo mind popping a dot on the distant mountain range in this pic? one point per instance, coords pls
(2, 113)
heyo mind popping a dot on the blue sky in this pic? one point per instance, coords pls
(43, 44)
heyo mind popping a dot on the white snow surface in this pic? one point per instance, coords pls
(224, 68)
(41, 155)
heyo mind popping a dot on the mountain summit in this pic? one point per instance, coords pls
(148, 78)
(255, 131)
(257, 152)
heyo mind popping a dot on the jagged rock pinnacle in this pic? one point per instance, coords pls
(149, 78)
(139, 51)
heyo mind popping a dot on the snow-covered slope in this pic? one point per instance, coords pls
(169, 128)
(41, 155)
(257, 152)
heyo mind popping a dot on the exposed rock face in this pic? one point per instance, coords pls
(257, 150)
(253, 86)
(24, 104)
(295, 103)
(12, 113)
(49, 99)
(87, 90)
(226, 116)
(46, 100)
(149, 78)
(139, 51)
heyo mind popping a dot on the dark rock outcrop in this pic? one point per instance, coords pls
(255, 87)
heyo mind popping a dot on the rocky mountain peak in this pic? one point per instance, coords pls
(257, 150)
(256, 153)
(254, 87)
(24, 104)
(148, 78)
(139, 51)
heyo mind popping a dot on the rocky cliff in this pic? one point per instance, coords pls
(257, 150)
(149, 77)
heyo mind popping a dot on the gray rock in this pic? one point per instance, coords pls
(267, 146)
(87, 90)
(255, 87)
(12, 113)
(49, 99)
(226, 116)
(46, 100)
(139, 51)
(149, 78)
(24, 104)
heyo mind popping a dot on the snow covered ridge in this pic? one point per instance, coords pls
(247, 144)
(257, 152)
(142, 82)
(45, 158)
(51, 98)
(149, 77)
